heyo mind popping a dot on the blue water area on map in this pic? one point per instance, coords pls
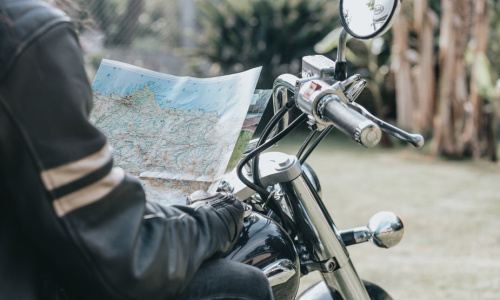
(178, 92)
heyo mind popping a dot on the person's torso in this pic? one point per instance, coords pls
(24, 273)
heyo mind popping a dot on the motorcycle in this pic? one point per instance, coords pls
(288, 231)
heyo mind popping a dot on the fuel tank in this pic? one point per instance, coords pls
(265, 245)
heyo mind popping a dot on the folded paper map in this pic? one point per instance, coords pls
(176, 134)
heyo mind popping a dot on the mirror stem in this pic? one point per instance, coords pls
(342, 46)
(340, 72)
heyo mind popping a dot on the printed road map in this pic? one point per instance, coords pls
(175, 133)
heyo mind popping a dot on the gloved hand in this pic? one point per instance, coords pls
(226, 204)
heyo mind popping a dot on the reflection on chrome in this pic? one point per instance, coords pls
(387, 229)
(280, 271)
(367, 18)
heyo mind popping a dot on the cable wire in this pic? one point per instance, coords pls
(306, 142)
(316, 143)
(265, 133)
(262, 191)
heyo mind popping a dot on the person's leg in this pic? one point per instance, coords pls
(226, 279)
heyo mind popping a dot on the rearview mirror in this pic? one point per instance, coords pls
(367, 19)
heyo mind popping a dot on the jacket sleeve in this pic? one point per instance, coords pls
(90, 219)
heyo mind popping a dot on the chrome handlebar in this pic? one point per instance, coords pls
(313, 96)
(282, 85)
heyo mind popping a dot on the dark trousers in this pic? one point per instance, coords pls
(226, 279)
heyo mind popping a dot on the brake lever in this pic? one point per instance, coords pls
(416, 140)
(355, 90)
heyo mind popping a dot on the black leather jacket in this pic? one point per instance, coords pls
(67, 216)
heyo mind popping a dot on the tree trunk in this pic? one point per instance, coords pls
(425, 78)
(482, 125)
(454, 108)
(480, 35)
(402, 68)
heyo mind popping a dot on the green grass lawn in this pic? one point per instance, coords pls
(451, 211)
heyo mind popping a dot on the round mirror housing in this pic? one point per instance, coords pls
(367, 19)
(387, 229)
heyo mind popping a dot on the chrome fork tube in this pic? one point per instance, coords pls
(347, 282)
(323, 240)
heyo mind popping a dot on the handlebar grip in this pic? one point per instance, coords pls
(349, 121)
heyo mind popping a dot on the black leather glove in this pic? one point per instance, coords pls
(226, 204)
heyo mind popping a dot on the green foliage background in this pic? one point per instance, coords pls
(237, 35)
